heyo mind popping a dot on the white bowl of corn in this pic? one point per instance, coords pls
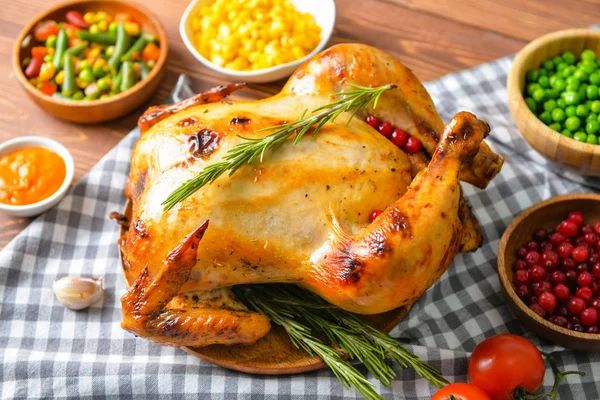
(256, 40)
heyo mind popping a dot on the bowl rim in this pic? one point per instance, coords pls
(517, 95)
(154, 73)
(325, 37)
(502, 267)
(50, 144)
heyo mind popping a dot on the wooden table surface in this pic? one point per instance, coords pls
(433, 37)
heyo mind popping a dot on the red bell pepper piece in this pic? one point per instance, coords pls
(75, 18)
(39, 51)
(48, 88)
(33, 69)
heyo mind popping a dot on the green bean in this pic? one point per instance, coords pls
(120, 48)
(144, 70)
(148, 37)
(62, 42)
(76, 49)
(102, 38)
(116, 88)
(60, 96)
(69, 86)
(138, 46)
(128, 79)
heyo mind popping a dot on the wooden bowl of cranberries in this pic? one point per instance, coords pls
(549, 267)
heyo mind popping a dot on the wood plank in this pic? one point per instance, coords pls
(524, 20)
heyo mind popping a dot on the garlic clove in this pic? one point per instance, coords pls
(76, 292)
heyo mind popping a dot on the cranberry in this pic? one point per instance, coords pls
(532, 258)
(575, 320)
(582, 268)
(577, 328)
(562, 310)
(568, 228)
(385, 128)
(536, 308)
(595, 288)
(565, 249)
(547, 246)
(373, 121)
(590, 238)
(567, 264)
(587, 228)
(595, 303)
(522, 252)
(557, 277)
(399, 137)
(592, 329)
(521, 277)
(589, 316)
(556, 239)
(537, 273)
(594, 258)
(595, 270)
(533, 245)
(562, 292)
(584, 293)
(540, 235)
(576, 217)
(533, 300)
(569, 325)
(374, 215)
(541, 287)
(576, 305)
(597, 228)
(584, 279)
(550, 259)
(560, 321)
(520, 264)
(413, 145)
(571, 275)
(524, 292)
(580, 253)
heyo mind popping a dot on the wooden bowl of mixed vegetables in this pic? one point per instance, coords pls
(92, 60)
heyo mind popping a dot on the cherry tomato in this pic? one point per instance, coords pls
(43, 30)
(34, 67)
(460, 391)
(505, 362)
(75, 18)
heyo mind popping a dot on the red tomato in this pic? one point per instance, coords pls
(505, 362)
(44, 29)
(75, 18)
(48, 88)
(460, 391)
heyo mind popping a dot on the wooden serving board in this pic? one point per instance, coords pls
(274, 354)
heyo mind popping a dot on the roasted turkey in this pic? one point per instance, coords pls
(302, 215)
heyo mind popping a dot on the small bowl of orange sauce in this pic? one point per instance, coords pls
(35, 174)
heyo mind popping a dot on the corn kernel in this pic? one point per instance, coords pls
(131, 28)
(51, 51)
(103, 25)
(101, 16)
(89, 17)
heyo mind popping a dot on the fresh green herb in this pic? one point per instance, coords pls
(308, 320)
(252, 148)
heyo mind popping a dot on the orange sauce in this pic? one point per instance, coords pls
(30, 175)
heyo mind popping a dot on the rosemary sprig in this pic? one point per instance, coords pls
(252, 148)
(311, 317)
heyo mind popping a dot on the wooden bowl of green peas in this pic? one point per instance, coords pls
(554, 96)
(89, 61)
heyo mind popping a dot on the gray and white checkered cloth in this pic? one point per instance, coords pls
(49, 351)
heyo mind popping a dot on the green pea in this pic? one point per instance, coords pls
(568, 57)
(589, 67)
(543, 72)
(103, 85)
(592, 139)
(551, 94)
(567, 133)
(582, 111)
(48, 58)
(532, 75)
(557, 60)
(592, 92)
(573, 82)
(571, 98)
(572, 123)
(544, 82)
(591, 116)
(595, 107)
(595, 78)
(51, 41)
(581, 75)
(548, 66)
(588, 55)
(85, 64)
(545, 117)
(560, 103)
(531, 87)
(570, 111)
(112, 28)
(580, 136)
(556, 126)
(78, 95)
(98, 71)
(549, 105)
(531, 104)
(592, 127)
(86, 76)
(558, 83)
(539, 94)
(582, 91)
(558, 115)
(561, 66)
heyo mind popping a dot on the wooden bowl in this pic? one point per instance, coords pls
(95, 110)
(582, 157)
(274, 354)
(547, 215)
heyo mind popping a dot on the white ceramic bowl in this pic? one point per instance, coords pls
(23, 142)
(322, 10)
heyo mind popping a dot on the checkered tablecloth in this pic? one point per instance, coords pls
(48, 351)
